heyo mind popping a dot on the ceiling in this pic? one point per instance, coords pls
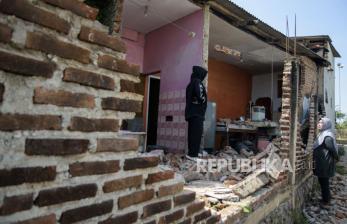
(159, 13)
(256, 54)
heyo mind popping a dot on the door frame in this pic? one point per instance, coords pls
(147, 99)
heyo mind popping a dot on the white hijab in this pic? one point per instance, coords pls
(324, 132)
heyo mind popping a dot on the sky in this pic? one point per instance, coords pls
(313, 17)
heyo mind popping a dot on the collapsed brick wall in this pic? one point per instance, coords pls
(308, 87)
(63, 94)
(285, 124)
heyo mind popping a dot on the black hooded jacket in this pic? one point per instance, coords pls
(325, 157)
(196, 97)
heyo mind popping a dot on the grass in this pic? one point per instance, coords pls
(342, 151)
(298, 217)
(341, 170)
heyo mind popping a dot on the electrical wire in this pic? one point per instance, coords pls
(295, 37)
(272, 77)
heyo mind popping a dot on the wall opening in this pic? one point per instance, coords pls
(152, 109)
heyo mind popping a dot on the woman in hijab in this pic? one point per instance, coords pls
(325, 155)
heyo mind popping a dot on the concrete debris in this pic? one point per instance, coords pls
(251, 184)
(225, 197)
(273, 165)
(224, 186)
(246, 153)
(157, 152)
(212, 200)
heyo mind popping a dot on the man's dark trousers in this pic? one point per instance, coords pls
(195, 129)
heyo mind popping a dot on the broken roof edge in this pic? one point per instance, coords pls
(336, 54)
(235, 15)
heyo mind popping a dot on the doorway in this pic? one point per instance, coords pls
(152, 109)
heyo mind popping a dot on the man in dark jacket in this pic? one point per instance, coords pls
(196, 103)
(325, 155)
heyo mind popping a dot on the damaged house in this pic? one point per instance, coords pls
(259, 84)
(92, 121)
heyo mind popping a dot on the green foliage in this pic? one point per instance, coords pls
(341, 120)
(340, 115)
(342, 151)
(246, 209)
(298, 217)
(341, 170)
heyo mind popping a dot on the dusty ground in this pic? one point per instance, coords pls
(337, 211)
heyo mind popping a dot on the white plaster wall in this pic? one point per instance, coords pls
(261, 87)
(329, 87)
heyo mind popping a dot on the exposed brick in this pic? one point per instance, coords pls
(24, 10)
(5, 33)
(160, 176)
(141, 162)
(112, 103)
(284, 128)
(124, 183)
(117, 144)
(25, 66)
(18, 176)
(88, 78)
(171, 218)
(76, 7)
(16, 203)
(151, 222)
(64, 194)
(124, 219)
(184, 198)
(101, 38)
(119, 10)
(93, 168)
(12, 122)
(118, 65)
(56, 147)
(63, 98)
(187, 221)
(135, 198)
(195, 207)
(170, 190)
(86, 212)
(213, 219)
(90, 125)
(127, 86)
(2, 90)
(203, 215)
(47, 219)
(51, 45)
(156, 208)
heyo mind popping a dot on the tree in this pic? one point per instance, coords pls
(341, 120)
(340, 115)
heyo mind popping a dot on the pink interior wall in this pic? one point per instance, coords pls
(135, 43)
(172, 51)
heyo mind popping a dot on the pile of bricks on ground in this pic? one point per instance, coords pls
(224, 188)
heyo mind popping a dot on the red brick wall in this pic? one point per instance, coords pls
(64, 90)
(308, 87)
